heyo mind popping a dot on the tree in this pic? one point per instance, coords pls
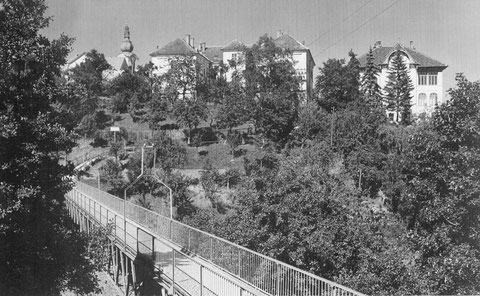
(131, 92)
(337, 85)
(181, 88)
(271, 82)
(111, 175)
(41, 253)
(398, 89)
(89, 73)
(235, 109)
(370, 89)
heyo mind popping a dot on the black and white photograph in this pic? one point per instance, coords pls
(239, 147)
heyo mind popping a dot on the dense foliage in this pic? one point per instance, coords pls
(41, 254)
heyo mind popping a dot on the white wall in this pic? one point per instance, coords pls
(418, 89)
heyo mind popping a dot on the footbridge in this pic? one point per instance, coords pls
(147, 247)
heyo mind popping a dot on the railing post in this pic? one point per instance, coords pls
(153, 249)
(137, 239)
(278, 280)
(170, 230)
(239, 261)
(201, 280)
(173, 271)
(189, 239)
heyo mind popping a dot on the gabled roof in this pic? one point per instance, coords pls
(176, 47)
(382, 54)
(76, 58)
(287, 42)
(214, 54)
(235, 45)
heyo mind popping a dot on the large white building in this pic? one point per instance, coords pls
(302, 62)
(425, 73)
(179, 47)
(234, 51)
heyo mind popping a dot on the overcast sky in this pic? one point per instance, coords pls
(446, 30)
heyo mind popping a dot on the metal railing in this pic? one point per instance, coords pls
(185, 275)
(267, 274)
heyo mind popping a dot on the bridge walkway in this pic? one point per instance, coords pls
(185, 260)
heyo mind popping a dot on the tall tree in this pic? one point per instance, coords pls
(89, 73)
(398, 89)
(271, 82)
(370, 89)
(337, 85)
(181, 88)
(40, 254)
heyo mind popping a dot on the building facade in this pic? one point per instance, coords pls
(302, 62)
(178, 48)
(426, 75)
(232, 54)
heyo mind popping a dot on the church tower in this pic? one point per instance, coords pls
(127, 50)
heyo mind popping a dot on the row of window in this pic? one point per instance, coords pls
(432, 101)
(427, 78)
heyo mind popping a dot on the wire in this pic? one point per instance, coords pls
(343, 20)
(358, 28)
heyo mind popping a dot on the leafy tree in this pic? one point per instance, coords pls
(337, 85)
(89, 73)
(271, 83)
(180, 85)
(131, 92)
(75, 102)
(182, 200)
(313, 122)
(41, 254)
(235, 108)
(398, 89)
(111, 175)
(170, 154)
(189, 113)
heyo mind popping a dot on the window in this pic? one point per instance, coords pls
(422, 78)
(234, 56)
(433, 99)
(422, 99)
(432, 78)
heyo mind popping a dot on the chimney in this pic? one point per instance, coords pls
(187, 39)
(411, 45)
(193, 42)
(279, 33)
(303, 42)
(202, 46)
(377, 44)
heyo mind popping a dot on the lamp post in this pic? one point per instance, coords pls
(156, 178)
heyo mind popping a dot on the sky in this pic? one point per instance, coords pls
(446, 30)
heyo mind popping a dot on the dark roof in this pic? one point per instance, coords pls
(285, 41)
(381, 55)
(176, 47)
(214, 54)
(235, 45)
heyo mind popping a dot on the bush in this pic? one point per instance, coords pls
(98, 141)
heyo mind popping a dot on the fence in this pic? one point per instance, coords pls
(271, 276)
(185, 275)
